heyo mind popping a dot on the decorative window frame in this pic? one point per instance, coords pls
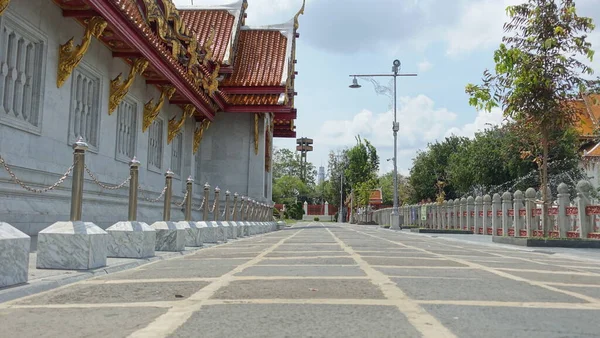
(89, 71)
(177, 175)
(138, 113)
(151, 167)
(33, 33)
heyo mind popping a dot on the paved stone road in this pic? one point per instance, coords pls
(326, 280)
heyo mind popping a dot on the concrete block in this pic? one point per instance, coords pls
(194, 236)
(131, 240)
(170, 236)
(72, 246)
(14, 255)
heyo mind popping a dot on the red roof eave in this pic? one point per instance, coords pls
(129, 32)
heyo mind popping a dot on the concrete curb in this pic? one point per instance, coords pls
(48, 283)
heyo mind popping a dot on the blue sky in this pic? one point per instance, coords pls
(448, 43)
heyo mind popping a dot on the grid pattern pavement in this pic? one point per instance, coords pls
(326, 280)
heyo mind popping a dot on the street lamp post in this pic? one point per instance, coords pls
(395, 216)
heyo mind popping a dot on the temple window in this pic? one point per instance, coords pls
(126, 130)
(85, 103)
(155, 145)
(22, 64)
(176, 150)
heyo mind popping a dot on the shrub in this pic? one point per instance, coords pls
(316, 219)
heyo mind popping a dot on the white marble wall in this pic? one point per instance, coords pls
(40, 158)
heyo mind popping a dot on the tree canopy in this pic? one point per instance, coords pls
(538, 74)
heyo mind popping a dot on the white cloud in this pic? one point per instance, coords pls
(424, 66)
(421, 122)
(483, 121)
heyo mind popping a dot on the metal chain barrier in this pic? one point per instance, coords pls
(104, 186)
(162, 193)
(201, 204)
(31, 189)
(212, 210)
(184, 199)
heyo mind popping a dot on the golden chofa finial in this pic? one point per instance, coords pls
(301, 11)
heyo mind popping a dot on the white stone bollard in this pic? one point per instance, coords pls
(496, 219)
(14, 255)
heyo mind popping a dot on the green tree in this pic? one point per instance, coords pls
(386, 182)
(338, 162)
(537, 73)
(289, 189)
(287, 163)
(431, 166)
(363, 163)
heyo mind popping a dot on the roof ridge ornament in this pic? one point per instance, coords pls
(301, 11)
(151, 111)
(119, 89)
(70, 57)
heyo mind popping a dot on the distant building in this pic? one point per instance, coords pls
(321, 176)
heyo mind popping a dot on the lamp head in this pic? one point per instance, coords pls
(355, 83)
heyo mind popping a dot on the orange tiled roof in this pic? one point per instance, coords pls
(589, 115)
(203, 21)
(250, 99)
(260, 59)
(376, 197)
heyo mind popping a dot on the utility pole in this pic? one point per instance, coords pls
(341, 211)
(395, 216)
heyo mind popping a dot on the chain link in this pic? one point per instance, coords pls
(162, 193)
(184, 199)
(104, 186)
(201, 204)
(212, 210)
(31, 189)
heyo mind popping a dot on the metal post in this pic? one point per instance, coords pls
(167, 206)
(206, 197)
(395, 217)
(79, 148)
(134, 166)
(188, 201)
(242, 214)
(341, 210)
(216, 209)
(227, 216)
(235, 210)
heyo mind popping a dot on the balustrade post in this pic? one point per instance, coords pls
(563, 203)
(462, 219)
(444, 215)
(478, 209)
(450, 214)
(485, 220)
(517, 206)
(206, 208)
(456, 214)
(189, 184)
(470, 218)
(530, 196)
(586, 222)
(168, 195)
(134, 166)
(506, 205)
(496, 207)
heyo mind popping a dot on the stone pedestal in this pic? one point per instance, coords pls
(194, 234)
(230, 229)
(209, 232)
(220, 232)
(170, 236)
(240, 229)
(14, 255)
(72, 246)
(131, 240)
(225, 231)
(394, 222)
